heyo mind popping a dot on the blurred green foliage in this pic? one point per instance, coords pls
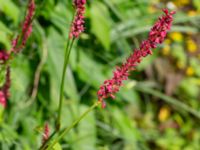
(138, 119)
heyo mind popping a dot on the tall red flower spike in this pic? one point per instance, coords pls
(4, 91)
(16, 47)
(27, 26)
(3, 56)
(2, 99)
(77, 26)
(156, 36)
(26, 29)
(46, 133)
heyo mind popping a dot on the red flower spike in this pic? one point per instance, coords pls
(27, 26)
(2, 99)
(46, 133)
(29, 16)
(16, 47)
(14, 43)
(79, 2)
(27, 35)
(103, 104)
(156, 36)
(4, 56)
(4, 91)
(26, 29)
(77, 26)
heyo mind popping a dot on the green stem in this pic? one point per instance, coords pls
(67, 129)
(66, 61)
(44, 145)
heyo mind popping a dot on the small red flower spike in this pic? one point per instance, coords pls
(46, 133)
(78, 24)
(4, 91)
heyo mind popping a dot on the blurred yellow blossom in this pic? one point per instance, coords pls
(191, 46)
(152, 9)
(167, 41)
(190, 71)
(166, 50)
(192, 13)
(184, 2)
(180, 65)
(176, 36)
(181, 2)
(163, 114)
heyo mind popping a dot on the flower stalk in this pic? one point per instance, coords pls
(110, 87)
(67, 129)
(77, 27)
(66, 61)
(156, 36)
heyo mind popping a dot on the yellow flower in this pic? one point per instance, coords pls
(191, 46)
(181, 2)
(180, 65)
(152, 9)
(192, 13)
(167, 41)
(176, 36)
(166, 50)
(190, 71)
(184, 2)
(163, 114)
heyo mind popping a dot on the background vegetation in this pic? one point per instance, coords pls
(158, 108)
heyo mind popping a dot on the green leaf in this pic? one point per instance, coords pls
(145, 29)
(1, 113)
(4, 28)
(128, 94)
(184, 29)
(4, 39)
(196, 4)
(86, 138)
(126, 127)
(179, 53)
(100, 21)
(10, 9)
(57, 146)
(192, 90)
(21, 73)
(61, 18)
(84, 68)
(2, 75)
